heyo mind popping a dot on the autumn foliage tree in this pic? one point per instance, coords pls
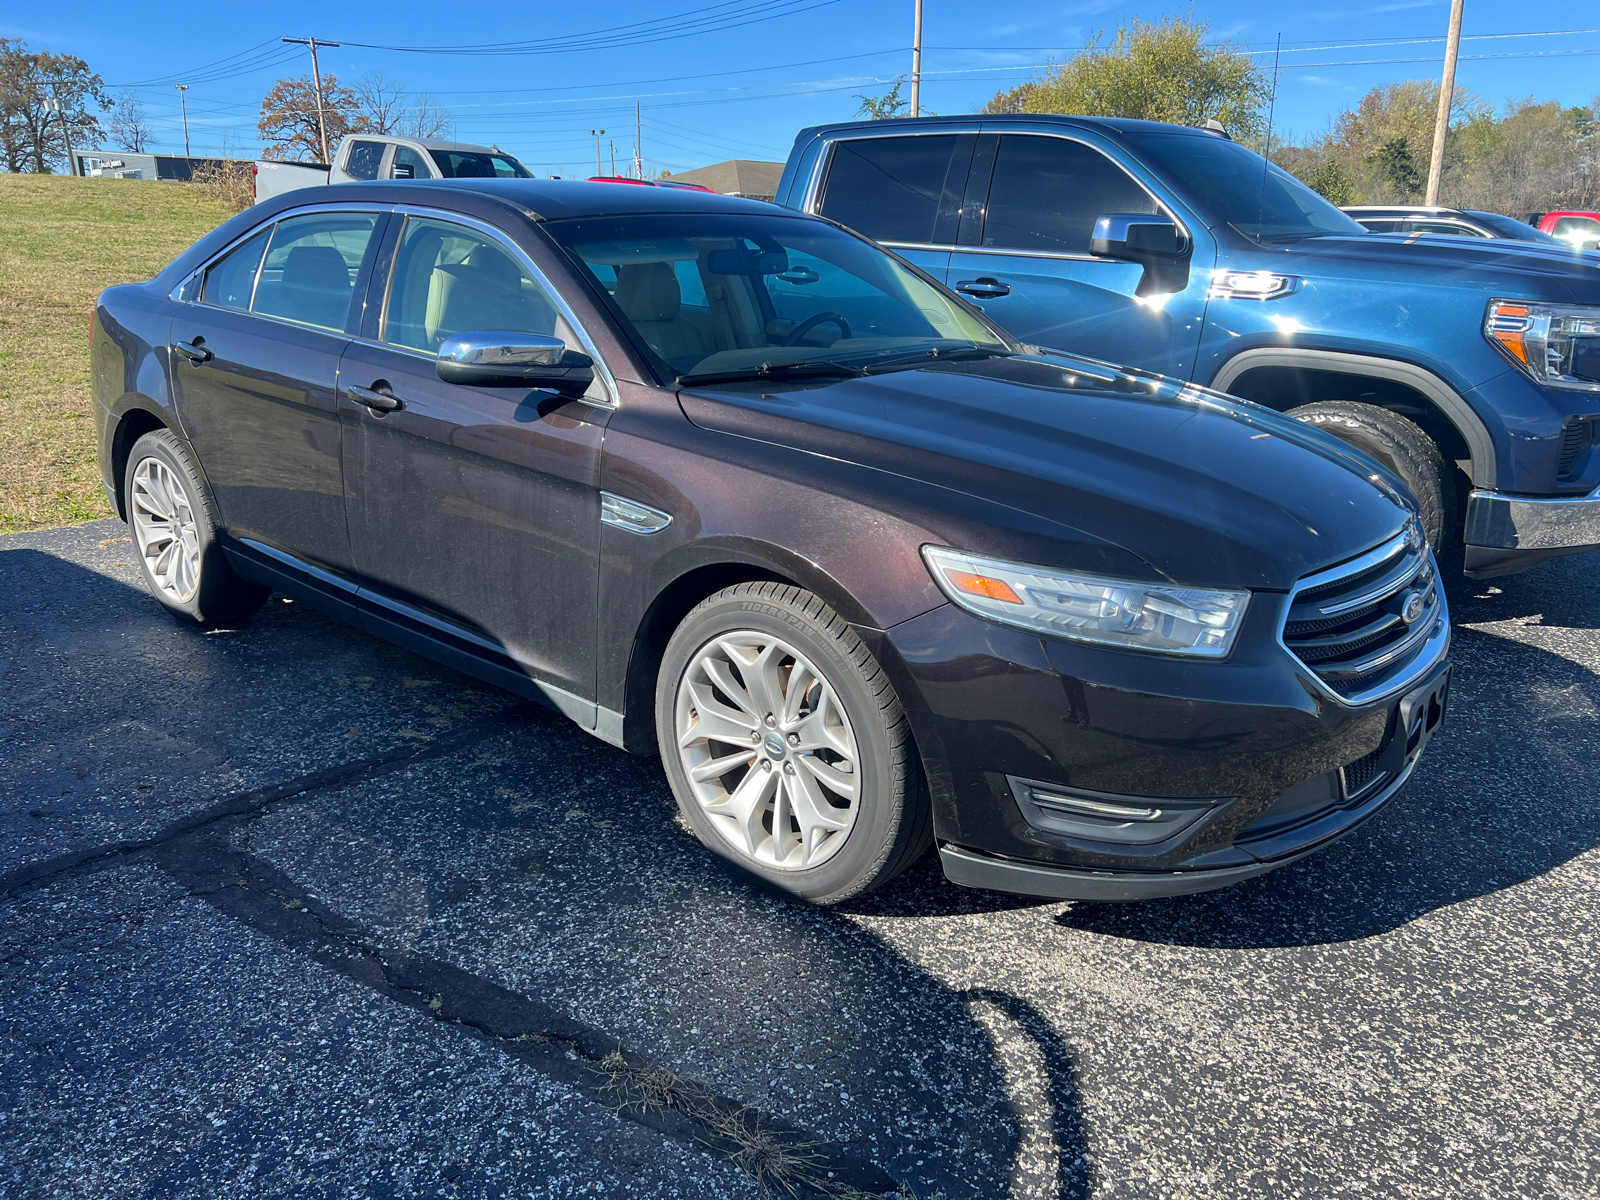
(1153, 71)
(288, 121)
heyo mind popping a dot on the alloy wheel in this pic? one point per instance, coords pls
(166, 529)
(768, 749)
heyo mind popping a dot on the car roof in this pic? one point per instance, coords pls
(1124, 125)
(1429, 210)
(549, 199)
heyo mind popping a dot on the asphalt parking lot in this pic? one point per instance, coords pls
(288, 911)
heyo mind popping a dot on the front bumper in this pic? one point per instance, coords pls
(1506, 534)
(1267, 764)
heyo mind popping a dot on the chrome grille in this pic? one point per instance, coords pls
(1351, 624)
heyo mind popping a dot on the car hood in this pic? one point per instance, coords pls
(1501, 266)
(1203, 488)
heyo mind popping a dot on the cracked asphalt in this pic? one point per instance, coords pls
(288, 911)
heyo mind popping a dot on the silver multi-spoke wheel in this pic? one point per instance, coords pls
(166, 529)
(768, 750)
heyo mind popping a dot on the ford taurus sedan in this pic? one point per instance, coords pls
(734, 486)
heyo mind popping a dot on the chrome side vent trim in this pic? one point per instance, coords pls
(631, 515)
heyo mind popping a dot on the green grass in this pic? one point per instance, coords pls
(62, 240)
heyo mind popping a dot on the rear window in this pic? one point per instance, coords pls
(231, 281)
(365, 159)
(309, 274)
(888, 189)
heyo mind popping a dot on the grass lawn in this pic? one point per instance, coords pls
(61, 241)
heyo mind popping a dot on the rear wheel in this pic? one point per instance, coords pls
(173, 527)
(786, 747)
(1398, 444)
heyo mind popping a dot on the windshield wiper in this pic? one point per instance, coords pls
(772, 370)
(933, 355)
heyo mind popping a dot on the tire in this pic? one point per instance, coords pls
(175, 532)
(1398, 444)
(837, 758)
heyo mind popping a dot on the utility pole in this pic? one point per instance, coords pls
(916, 62)
(598, 169)
(613, 146)
(1447, 91)
(316, 75)
(638, 143)
(183, 98)
(53, 104)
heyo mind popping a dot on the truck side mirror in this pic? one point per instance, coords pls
(1151, 240)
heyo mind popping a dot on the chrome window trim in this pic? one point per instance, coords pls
(522, 257)
(825, 163)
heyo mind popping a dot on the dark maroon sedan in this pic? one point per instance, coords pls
(738, 487)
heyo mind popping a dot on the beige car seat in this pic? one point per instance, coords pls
(649, 296)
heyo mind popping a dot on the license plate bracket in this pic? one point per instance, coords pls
(1418, 718)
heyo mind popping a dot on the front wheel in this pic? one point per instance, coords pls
(173, 527)
(786, 747)
(1398, 444)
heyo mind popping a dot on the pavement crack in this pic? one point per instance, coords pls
(252, 801)
(778, 1157)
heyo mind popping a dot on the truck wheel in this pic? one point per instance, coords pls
(170, 514)
(786, 747)
(1398, 444)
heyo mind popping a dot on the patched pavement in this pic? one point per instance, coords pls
(289, 911)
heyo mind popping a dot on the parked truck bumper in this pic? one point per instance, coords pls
(1506, 534)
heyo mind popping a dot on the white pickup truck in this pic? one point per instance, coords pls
(364, 156)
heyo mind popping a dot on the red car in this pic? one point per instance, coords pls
(1578, 228)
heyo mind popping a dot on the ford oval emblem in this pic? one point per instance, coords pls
(774, 744)
(1412, 608)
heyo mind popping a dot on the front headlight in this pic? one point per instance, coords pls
(1090, 608)
(1558, 344)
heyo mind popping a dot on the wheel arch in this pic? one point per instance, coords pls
(135, 418)
(1285, 377)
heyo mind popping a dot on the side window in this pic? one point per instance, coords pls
(232, 278)
(1448, 228)
(408, 164)
(309, 273)
(449, 279)
(1576, 227)
(1047, 191)
(1374, 225)
(364, 160)
(888, 189)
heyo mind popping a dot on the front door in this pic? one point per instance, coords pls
(474, 511)
(255, 360)
(1026, 224)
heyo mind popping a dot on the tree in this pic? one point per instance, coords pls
(885, 107)
(1156, 71)
(428, 120)
(289, 117)
(130, 128)
(1331, 183)
(30, 134)
(1397, 167)
(383, 108)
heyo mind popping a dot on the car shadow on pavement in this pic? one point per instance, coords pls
(1508, 792)
(534, 865)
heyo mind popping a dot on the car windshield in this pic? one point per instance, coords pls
(1509, 227)
(1263, 202)
(475, 164)
(736, 295)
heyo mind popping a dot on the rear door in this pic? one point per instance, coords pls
(474, 511)
(1024, 255)
(255, 359)
(902, 191)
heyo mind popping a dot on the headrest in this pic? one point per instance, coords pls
(489, 267)
(316, 267)
(648, 291)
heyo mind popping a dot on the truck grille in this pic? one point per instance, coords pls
(1359, 625)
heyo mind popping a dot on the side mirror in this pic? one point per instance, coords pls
(1153, 241)
(402, 171)
(528, 360)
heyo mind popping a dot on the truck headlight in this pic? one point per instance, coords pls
(1197, 622)
(1557, 344)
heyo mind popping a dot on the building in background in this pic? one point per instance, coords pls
(747, 177)
(124, 164)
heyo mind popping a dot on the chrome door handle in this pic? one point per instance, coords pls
(194, 351)
(378, 401)
(985, 289)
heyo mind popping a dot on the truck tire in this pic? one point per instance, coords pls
(786, 747)
(1398, 444)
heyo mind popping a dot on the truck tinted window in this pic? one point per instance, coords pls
(1047, 192)
(408, 164)
(888, 189)
(364, 160)
(462, 164)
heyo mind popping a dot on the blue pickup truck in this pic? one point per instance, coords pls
(1470, 370)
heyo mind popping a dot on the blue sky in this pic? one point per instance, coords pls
(749, 73)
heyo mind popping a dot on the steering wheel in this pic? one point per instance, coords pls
(811, 322)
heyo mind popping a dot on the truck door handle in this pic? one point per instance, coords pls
(378, 401)
(194, 351)
(984, 288)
